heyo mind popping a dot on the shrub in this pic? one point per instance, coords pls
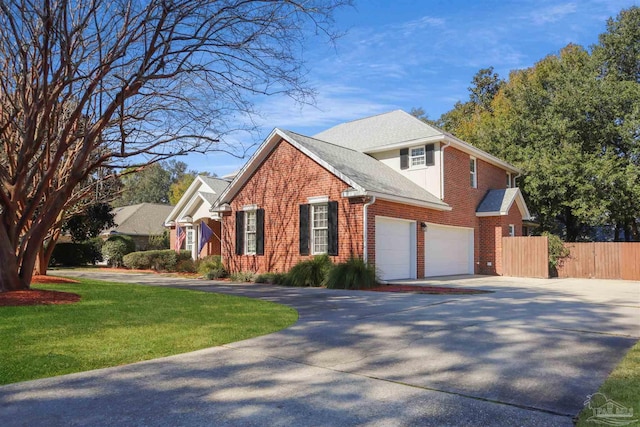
(312, 272)
(242, 276)
(215, 274)
(159, 242)
(557, 252)
(130, 244)
(165, 260)
(211, 267)
(74, 254)
(185, 266)
(353, 274)
(114, 251)
(272, 278)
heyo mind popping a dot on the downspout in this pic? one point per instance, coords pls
(365, 234)
(442, 148)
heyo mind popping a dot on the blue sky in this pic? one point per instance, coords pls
(400, 54)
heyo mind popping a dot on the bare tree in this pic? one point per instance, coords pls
(88, 84)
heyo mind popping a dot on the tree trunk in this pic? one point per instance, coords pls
(9, 278)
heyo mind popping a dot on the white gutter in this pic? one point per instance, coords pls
(365, 234)
(442, 148)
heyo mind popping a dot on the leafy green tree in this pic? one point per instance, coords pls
(177, 189)
(88, 224)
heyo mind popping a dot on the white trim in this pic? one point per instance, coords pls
(317, 199)
(512, 230)
(449, 139)
(313, 228)
(186, 201)
(404, 200)
(250, 207)
(474, 173)
(509, 182)
(522, 205)
(246, 231)
(447, 226)
(424, 157)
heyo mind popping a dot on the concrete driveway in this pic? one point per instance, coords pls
(527, 354)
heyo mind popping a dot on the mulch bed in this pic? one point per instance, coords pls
(432, 290)
(38, 296)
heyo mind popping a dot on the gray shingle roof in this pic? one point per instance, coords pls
(140, 220)
(365, 171)
(497, 200)
(217, 184)
(377, 131)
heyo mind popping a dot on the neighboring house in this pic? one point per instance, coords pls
(403, 195)
(192, 210)
(139, 221)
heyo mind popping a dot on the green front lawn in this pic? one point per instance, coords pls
(622, 386)
(115, 324)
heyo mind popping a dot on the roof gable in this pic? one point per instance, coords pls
(398, 129)
(499, 202)
(363, 173)
(203, 189)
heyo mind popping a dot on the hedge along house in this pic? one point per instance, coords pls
(401, 194)
(192, 211)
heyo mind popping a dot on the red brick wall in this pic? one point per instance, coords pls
(284, 181)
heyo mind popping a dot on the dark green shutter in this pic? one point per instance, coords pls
(333, 228)
(429, 150)
(304, 229)
(239, 232)
(404, 158)
(260, 232)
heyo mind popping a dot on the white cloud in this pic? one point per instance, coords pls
(555, 13)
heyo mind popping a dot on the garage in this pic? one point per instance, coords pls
(395, 248)
(448, 250)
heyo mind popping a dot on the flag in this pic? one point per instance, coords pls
(180, 236)
(205, 235)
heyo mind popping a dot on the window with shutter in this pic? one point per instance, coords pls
(304, 229)
(404, 158)
(430, 150)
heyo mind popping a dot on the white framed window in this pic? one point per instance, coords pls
(190, 239)
(319, 229)
(250, 232)
(512, 230)
(508, 180)
(417, 156)
(473, 170)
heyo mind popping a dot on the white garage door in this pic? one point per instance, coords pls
(448, 250)
(395, 248)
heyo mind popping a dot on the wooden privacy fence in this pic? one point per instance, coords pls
(525, 256)
(528, 257)
(601, 260)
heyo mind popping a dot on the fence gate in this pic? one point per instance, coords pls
(525, 256)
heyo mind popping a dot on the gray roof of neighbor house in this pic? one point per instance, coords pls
(144, 219)
(364, 170)
(377, 131)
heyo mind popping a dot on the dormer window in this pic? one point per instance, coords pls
(417, 157)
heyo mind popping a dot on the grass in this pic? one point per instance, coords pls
(115, 324)
(622, 386)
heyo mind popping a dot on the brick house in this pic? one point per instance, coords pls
(191, 211)
(403, 195)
